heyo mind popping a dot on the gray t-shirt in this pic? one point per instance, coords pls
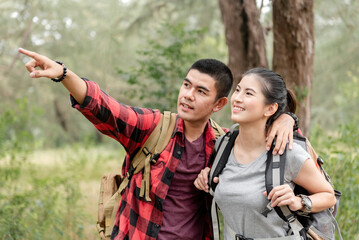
(239, 195)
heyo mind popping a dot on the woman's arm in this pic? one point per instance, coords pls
(310, 178)
(322, 193)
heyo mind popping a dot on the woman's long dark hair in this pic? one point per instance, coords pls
(275, 91)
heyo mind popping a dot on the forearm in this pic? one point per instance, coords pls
(322, 201)
(76, 86)
(321, 193)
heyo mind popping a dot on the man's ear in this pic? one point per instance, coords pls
(220, 103)
(271, 109)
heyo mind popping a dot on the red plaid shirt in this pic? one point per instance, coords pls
(136, 218)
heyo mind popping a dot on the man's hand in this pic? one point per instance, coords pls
(49, 68)
(282, 127)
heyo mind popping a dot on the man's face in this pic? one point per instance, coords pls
(197, 98)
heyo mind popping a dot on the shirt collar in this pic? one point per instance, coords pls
(209, 133)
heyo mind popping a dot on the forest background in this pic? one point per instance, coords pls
(52, 159)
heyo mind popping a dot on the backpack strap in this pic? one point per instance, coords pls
(166, 129)
(274, 176)
(218, 130)
(221, 154)
(147, 155)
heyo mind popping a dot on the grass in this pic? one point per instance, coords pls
(59, 190)
(89, 166)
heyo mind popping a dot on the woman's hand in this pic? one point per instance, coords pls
(283, 195)
(201, 181)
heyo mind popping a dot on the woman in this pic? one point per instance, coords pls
(259, 98)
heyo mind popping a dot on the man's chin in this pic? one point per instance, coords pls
(185, 116)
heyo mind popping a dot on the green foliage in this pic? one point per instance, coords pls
(347, 98)
(161, 65)
(16, 139)
(340, 151)
(336, 55)
(45, 208)
(32, 206)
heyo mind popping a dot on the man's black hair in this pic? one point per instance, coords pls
(217, 70)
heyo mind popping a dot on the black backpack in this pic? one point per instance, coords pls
(320, 225)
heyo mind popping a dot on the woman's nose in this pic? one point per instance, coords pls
(238, 97)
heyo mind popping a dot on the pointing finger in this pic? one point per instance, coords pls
(28, 53)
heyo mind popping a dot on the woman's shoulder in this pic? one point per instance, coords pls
(298, 153)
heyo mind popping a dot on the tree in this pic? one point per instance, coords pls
(293, 51)
(244, 36)
(293, 44)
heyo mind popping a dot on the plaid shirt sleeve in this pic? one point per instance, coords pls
(130, 126)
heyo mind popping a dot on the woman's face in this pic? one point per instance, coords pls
(248, 102)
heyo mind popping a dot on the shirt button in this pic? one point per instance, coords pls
(157, 226)
(179, 152)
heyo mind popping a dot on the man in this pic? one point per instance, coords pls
(177, 210)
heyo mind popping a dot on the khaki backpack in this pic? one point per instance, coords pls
(113, 184)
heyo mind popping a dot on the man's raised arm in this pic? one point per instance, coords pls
(51, 69)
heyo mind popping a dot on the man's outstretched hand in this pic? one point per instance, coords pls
(49, 68)
(42, 66)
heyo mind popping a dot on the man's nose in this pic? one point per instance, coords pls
(190, 94)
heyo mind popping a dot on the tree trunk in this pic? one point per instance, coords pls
(293, 51)
(244, 36)
(59, 116)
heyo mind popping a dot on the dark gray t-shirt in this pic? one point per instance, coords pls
(239, 194)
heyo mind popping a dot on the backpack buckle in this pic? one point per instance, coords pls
(146, 151)
(241, 237)
(153, 158)
(291, 218)
(267, 209)
(130, 171)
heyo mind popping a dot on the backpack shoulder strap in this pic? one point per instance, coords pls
(218, 130)
(305, 144)
(166, 131)
(274, 176)
(150, 152)
(275, 166)
(220, 155)
(167, 128)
